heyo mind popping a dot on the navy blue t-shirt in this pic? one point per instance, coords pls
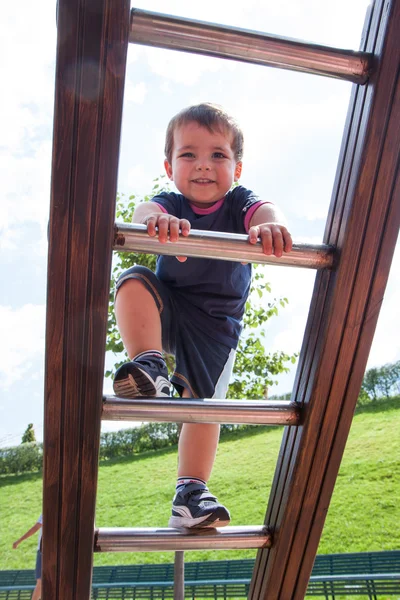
(210, 292)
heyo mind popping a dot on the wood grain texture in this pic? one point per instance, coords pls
(363, 223)
(90, 73)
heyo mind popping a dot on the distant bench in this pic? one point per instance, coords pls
(370, 574)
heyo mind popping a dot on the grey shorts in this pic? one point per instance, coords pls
(203, 366)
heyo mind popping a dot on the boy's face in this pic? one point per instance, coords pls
(203, 165)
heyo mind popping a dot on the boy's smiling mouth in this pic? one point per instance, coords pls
(202, 180)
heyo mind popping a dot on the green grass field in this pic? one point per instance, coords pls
(364, 513)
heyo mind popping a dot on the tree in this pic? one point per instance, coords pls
(29, 435)
(254, 369)
(380, 382)
(388, 377)
(370, 383)
(396, 376)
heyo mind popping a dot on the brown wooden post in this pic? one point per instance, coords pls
(90, 73)
(363, 224)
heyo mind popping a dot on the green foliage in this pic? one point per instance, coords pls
(389, 379)
(370, 384)
(380, 382)
(254, 370)
(115, 444)
(152, 436)
(21, 459)
(29, 435)
(363, 398)
(286, 396)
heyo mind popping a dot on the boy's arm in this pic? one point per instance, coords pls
(27, 535)
(268, 223)
(152, 215)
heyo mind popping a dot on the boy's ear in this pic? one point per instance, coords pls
(168, 169)
(238, 171)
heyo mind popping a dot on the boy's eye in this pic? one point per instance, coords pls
(187, 155)
(218, 155)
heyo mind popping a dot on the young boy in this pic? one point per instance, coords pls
(193, 308)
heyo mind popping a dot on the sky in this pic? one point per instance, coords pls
(292, 123)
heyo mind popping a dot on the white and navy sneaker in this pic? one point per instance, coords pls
(195, 507)
(144, 377)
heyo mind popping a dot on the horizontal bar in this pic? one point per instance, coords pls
(211, 39)
(201, 411)
(228, 582)
(167, 584)
(133, 237)
(16, 588)
(360, 577)
(240, 581)
(149, 539)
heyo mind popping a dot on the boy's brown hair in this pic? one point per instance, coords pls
(211, 116)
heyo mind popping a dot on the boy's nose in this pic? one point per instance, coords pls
(203, 166)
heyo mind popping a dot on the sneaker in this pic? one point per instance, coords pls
(142, 379)
(194, 506)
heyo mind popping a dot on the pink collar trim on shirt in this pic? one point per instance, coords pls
(209, 210)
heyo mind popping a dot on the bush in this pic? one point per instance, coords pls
(21, 459)
(126, 442)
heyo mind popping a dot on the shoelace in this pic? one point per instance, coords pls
(200, 492)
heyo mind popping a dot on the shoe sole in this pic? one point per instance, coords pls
(137, 384)
(208, 523)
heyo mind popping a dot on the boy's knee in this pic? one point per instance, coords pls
(137, 274)
(139, 285)
(130, 283)
(132, 291)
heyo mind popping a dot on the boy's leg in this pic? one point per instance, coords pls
(203, 370)
(139, 323)
(193, 505)
(37, 592)
(198, 443)
(138, 318)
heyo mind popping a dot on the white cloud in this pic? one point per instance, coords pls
(135, 93)
(26, 186)
(285, 332)
(9, 239)
(22, 332)
(166, 87)
(137, 180)
(27, 48)
(386, 345)
(181, 67)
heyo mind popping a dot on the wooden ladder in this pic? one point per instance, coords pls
(353, 266)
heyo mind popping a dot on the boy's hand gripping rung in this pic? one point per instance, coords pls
(133, 237)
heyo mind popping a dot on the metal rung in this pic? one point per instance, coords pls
(149, 539)
(201, 411)
(131, 237)
(176, 33)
